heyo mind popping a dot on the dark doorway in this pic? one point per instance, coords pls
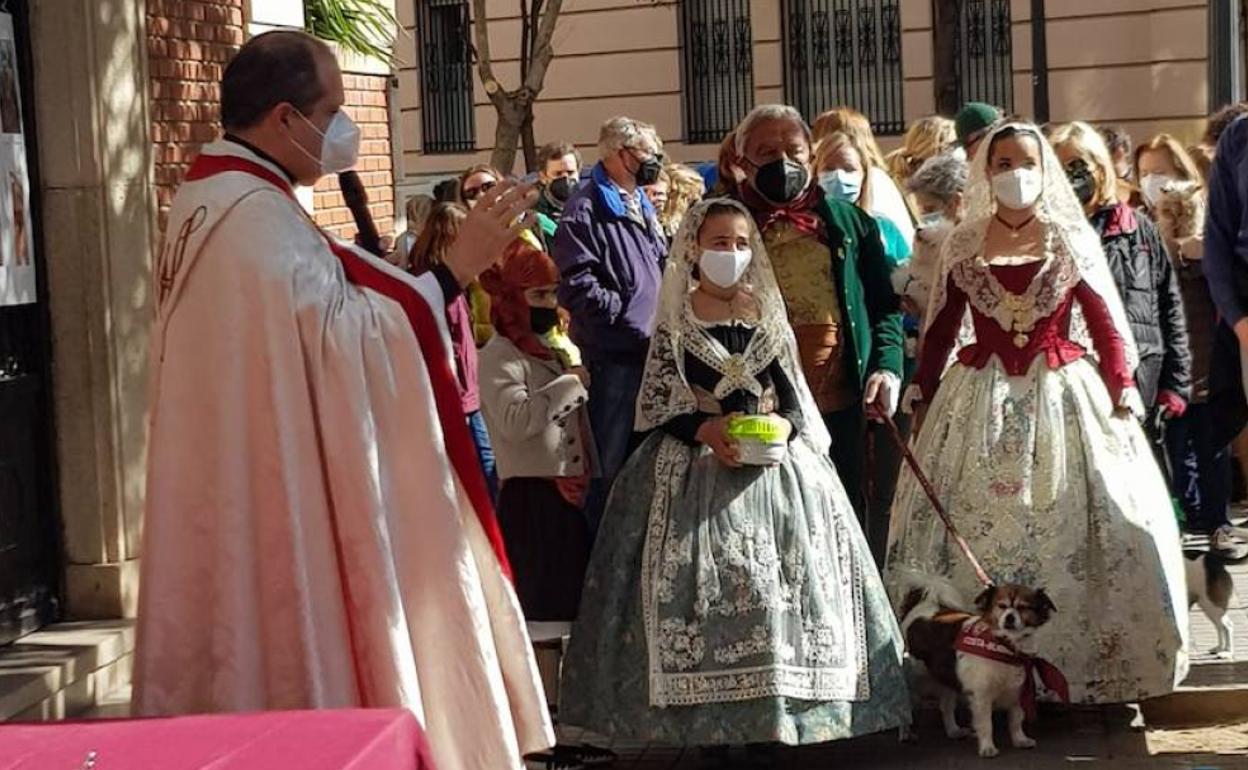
(29, 543)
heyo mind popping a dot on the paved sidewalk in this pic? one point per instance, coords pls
(1094, 738)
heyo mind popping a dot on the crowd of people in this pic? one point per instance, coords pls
(813, 278)
(686, 398)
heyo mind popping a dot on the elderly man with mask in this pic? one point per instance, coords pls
(318, 533)
(830, 264)
(610, 251)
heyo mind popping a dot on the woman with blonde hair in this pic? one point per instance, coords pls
(430, 250)
(1159, 161)
(418, 208)
(1140, 267)
(886, 198)
(926, 138)
(841, 166)
(1201, 465)
(684, 188)
(1146, 281)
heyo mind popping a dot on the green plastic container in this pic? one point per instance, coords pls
(761, 428)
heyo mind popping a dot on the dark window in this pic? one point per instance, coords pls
(845, 53)
(984, 53)
(718, 67)
(446, 113)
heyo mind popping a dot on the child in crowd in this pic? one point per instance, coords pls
(533, 393)
(440, 231)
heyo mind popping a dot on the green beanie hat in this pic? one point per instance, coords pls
(973, 119)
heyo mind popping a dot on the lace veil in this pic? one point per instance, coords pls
(1073, 251)
(665, 391)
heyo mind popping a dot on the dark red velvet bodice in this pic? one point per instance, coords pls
(1050, 337)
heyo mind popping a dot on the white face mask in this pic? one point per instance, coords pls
(935, 220)
(340, 144)
(1151, 186)
(724, 268)
(1018, 188)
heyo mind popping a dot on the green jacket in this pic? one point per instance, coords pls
(868, 303)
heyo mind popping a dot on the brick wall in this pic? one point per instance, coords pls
(368, 105)
(189, 43)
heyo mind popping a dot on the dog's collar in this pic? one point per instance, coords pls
(977, 639)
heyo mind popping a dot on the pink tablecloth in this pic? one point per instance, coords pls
(302, 740)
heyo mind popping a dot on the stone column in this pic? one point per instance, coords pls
(95, 159)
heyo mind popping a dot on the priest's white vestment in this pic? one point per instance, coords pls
(317, 534)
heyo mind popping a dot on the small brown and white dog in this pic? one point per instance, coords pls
(980, 655)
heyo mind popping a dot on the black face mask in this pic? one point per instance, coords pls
(781, 180)
(1081, 181)
(543, 319)
(648, 172)
(560, 189)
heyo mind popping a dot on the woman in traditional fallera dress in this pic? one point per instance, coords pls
(729, 603)
(1029, 438)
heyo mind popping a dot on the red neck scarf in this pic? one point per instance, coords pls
(522, 267)
(977, 640)
(802, 213)
(458, 442)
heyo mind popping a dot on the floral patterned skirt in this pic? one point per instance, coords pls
(1051, 490)
(728, 606)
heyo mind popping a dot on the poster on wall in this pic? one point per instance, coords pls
(17, 263)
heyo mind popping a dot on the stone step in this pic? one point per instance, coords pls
(64, 670)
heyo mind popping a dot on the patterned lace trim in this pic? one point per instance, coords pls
(676, 645)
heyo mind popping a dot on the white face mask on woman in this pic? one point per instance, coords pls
(724, 268)
(340, 144)
(1152, 185)
(1018, 188)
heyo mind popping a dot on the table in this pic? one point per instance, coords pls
(302, 740)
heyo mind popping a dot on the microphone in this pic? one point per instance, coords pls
(356, 196)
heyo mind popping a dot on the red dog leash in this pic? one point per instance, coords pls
(940, 509)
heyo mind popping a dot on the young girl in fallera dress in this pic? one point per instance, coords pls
(728, 602)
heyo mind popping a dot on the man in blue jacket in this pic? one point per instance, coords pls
(610, 251)
(1226, 269)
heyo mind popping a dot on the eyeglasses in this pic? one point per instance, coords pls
(472, 193)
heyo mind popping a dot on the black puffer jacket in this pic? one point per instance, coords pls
(1150, 291)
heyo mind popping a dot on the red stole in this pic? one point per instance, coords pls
(459, 445)
(977, 640)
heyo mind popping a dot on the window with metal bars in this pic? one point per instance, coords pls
(984, 53)
(845, 53)
(718, 67)
(446, 115)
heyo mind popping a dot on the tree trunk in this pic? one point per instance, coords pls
(511, 117)
(529, 142)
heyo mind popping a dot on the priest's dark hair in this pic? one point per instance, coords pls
(276, 67)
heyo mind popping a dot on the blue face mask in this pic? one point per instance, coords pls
(842, 185)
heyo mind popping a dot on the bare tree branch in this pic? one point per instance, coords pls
(543, 51)
(485, 65)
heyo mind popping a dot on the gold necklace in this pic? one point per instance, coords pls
(1016, 232)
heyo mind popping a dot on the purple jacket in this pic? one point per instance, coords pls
(610, 269)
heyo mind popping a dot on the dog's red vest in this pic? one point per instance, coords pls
(977, 639)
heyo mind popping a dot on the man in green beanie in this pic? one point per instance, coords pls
(972, 123)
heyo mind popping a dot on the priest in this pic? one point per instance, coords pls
(318, 533)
